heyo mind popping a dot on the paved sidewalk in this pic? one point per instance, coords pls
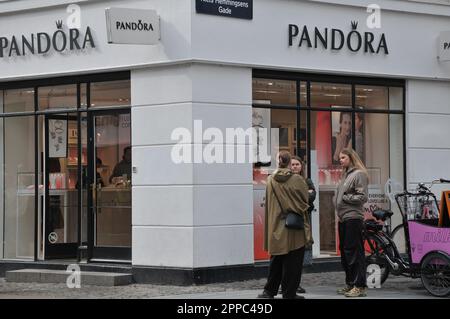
(318, 285)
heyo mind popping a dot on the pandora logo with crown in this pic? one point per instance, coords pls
(63, 39)
(336, 39)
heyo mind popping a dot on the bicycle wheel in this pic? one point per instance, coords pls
(435, 274)
(398, 236)
(375, 254)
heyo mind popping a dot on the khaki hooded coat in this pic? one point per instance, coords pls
(292, 192)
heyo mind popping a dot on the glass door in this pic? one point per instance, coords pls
(60, 183)
(110, 190)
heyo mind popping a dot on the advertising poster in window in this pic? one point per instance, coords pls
(342, 134)
(57, 137)
(341, 128)
(261, 143)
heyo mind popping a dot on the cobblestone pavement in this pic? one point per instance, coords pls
(318, 285)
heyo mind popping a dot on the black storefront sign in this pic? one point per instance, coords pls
(336, 39)
(242, 9)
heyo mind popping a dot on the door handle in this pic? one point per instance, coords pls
(94, 194)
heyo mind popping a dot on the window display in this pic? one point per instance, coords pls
(41, 151)
(376, 137)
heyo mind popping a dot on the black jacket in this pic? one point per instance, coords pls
(312, 195)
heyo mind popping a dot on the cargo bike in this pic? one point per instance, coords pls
(426, 229)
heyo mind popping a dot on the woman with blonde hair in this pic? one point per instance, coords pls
(350, 197)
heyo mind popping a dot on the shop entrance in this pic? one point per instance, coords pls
(94, 214)
(109, 199)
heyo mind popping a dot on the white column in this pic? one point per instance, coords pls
(199, 214)
(428, 129)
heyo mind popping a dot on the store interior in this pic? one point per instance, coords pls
(330, 114)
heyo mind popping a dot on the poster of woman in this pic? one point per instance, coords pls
(342, 133)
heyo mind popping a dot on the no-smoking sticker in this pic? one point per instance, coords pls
(53, 237)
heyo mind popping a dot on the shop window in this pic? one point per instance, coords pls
(57, 97)
(17, 187)
(372, 97)
(396, 98)
(303, 137)
(378, 141)
(303, 94)
(112, 93)
(20, 100)
(274, 92)
(330, 133)
(281, 136)
(331, 95)
(83, 95)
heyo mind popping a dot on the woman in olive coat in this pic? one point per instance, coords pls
(285, 192)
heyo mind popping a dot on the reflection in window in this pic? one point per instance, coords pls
(83, 95)
(61, 96)
(21, 100)
(396, 98)
(112, 93)
(278, 92)
(372, 97)
(303, 94)
(17, 185)
(331, 95)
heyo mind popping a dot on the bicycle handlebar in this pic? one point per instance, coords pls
(422, 187)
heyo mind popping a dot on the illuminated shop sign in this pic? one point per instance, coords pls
(336, 39)
(62, 40)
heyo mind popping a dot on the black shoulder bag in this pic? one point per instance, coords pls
(293, 220)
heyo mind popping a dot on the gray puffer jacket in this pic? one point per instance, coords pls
(351, 195)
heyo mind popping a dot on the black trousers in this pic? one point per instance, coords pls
(310, 248)
(351, 245)
(285, 270)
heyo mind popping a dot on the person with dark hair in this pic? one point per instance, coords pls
(98, 177)
(351, 194)
(124, 166)
(285, 192)
(298, 167)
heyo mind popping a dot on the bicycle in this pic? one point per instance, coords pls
(429, 262)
